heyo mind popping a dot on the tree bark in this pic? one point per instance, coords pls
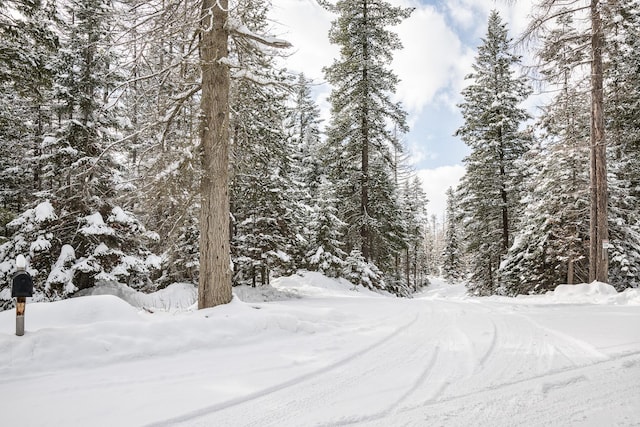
(570, 272)
(598, 225)
(364, 196)
(214, 286)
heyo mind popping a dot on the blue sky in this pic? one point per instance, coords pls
(440, 41)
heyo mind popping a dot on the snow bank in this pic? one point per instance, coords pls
(585, 293)
(183, 296)
(590, 293)
(314, 284)
(101, 329)
(112, 323)
(173, 298)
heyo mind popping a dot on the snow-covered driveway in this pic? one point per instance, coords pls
(333, 357)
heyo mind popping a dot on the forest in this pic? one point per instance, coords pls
(125, 123)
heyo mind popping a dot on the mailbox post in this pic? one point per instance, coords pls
(21, 288)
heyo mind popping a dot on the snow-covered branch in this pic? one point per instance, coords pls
(234, 26)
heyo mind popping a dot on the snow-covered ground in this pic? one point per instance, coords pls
(321, 353)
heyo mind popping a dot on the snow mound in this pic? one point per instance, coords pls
(439, 288)
(595, 289)
(70, 313)
(594, 293)
(262, 294)
(175, 297)
(314, 284)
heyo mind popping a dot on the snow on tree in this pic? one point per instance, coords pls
(304, 123)
(452, 258)
(265, 203)
(360, 272)
(325, 252)
(76, 178)
(622, 84)
(490, 189)
(29, 43)
(549, 248)
(360, 135)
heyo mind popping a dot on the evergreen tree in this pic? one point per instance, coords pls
(264, 201)
(359, 136)
(29, 41)
(325, 251)
(414, 217)
(74, 233)
(490, 189)
(547, 11)
(549, 248)
(622, 84)
(360, 272)
(304, 124)
(452, 262)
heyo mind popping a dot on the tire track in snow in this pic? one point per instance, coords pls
(400, 405)
(528, 400)
(420, 380)
(377, 366)
(287, 384)
(492, 346)
(634, 358)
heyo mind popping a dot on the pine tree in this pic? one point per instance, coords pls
(549, 248)
(29, 42)
(359, 135)
(622, 84)
(325, 252)
(265, 201)
(490, 189)
(414, 217)
(547, 11)
(304, 124)
(74, 233)
(452, 262)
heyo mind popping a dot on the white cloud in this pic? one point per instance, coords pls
(428, 63)
(429, 59)
(436, 182)
(514, 13)
(439, 49)
(461, 14)
(305, 24)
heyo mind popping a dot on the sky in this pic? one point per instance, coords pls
(440, 41)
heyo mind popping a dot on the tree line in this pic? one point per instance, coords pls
(552, 200)
(153, 142)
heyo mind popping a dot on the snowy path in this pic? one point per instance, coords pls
(335, 360)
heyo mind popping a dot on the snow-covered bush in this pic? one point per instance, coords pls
(66, 253)
(360, 272)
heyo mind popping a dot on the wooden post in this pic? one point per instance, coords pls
(21, 304)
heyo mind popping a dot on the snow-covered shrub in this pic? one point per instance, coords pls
(360, 272)
(66, 253)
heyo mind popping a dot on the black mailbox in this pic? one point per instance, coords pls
(22, 285)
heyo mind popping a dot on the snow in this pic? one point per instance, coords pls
(44, 211)
(96, 226)
(41, 213)
(317, 351)
(60, 273)
(120, 216)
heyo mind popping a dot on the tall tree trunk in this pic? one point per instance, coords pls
(214, 286)
(570, 272)
(364, 196)
(407, 270)
(503, 196)
(598, 226)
